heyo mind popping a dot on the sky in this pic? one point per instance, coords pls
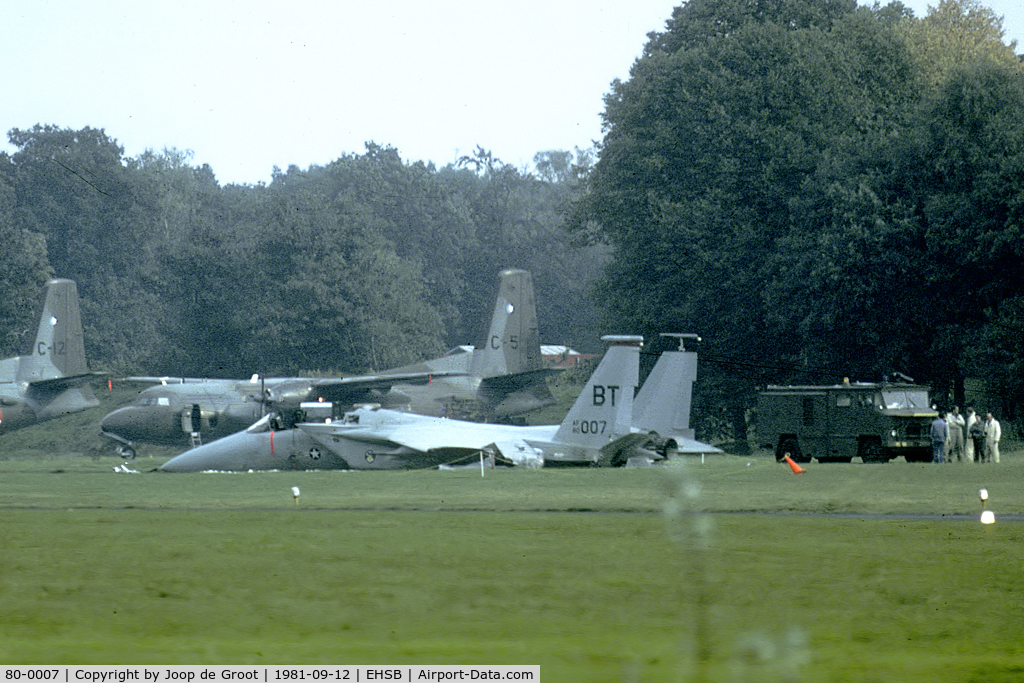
(249, 85)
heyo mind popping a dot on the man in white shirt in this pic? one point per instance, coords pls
(993, 433)
(955, 444)
(972, 417)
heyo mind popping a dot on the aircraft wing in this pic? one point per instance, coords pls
(434, 437)
(175, 380)
(293, 390)
(424, 435)
(379, 382)
(59, 384)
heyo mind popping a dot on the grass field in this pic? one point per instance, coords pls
(595, 575)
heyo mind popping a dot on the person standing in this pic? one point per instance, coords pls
(939, 432)
(993, 432)
(977, 434)
(969, 450)
(955, 444)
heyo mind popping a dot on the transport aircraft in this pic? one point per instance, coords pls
(503, 378)
(51, 379)
(598, 430)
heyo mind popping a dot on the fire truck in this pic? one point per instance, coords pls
(875, 422)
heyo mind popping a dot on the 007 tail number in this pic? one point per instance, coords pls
(589, 426)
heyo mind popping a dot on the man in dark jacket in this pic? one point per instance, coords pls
(940, 432)
(977, 434)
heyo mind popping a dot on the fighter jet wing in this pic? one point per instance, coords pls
(415, 432)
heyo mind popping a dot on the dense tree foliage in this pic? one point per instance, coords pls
(366, 263)
(820, 190)
(820, 193)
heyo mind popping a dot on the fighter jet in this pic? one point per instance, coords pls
(503, 378)
(52, 378)
(598, 430)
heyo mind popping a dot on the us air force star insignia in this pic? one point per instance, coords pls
(369, 456)
(314, 453)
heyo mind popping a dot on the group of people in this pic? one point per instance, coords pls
(950, 445)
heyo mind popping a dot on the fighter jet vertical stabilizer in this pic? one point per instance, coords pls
(663, 402)
(662, 406)
(605, 406)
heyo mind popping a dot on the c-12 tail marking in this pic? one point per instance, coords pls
(59, 349)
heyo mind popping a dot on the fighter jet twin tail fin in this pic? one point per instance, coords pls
(608, 419)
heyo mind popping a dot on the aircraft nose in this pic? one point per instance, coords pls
(118, 422)
(236, 453)
(209, 457)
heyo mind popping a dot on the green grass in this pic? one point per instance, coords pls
(664, 581)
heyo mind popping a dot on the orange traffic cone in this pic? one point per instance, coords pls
(793, 466)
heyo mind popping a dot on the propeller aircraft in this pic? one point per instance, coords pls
(503, 378)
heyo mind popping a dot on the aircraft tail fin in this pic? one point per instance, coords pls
(603, 412)
(513, 340)
(662, 406)
(663, 403)
(59, 350)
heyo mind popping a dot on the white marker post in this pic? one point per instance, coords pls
(987, 516)
(295, 494)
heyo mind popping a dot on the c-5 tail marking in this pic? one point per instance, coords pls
(513, 340)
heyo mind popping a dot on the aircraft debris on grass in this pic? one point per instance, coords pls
(504, 378)
(52, 378)
(598, 430)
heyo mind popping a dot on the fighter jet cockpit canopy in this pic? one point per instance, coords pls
(262, 425)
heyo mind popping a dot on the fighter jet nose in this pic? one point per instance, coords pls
(185, 463)
(236, 453)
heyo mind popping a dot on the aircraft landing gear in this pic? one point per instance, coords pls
(125, 451)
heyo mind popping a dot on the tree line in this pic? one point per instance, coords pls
(820, 190)
(363, 264)
(823, 191)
